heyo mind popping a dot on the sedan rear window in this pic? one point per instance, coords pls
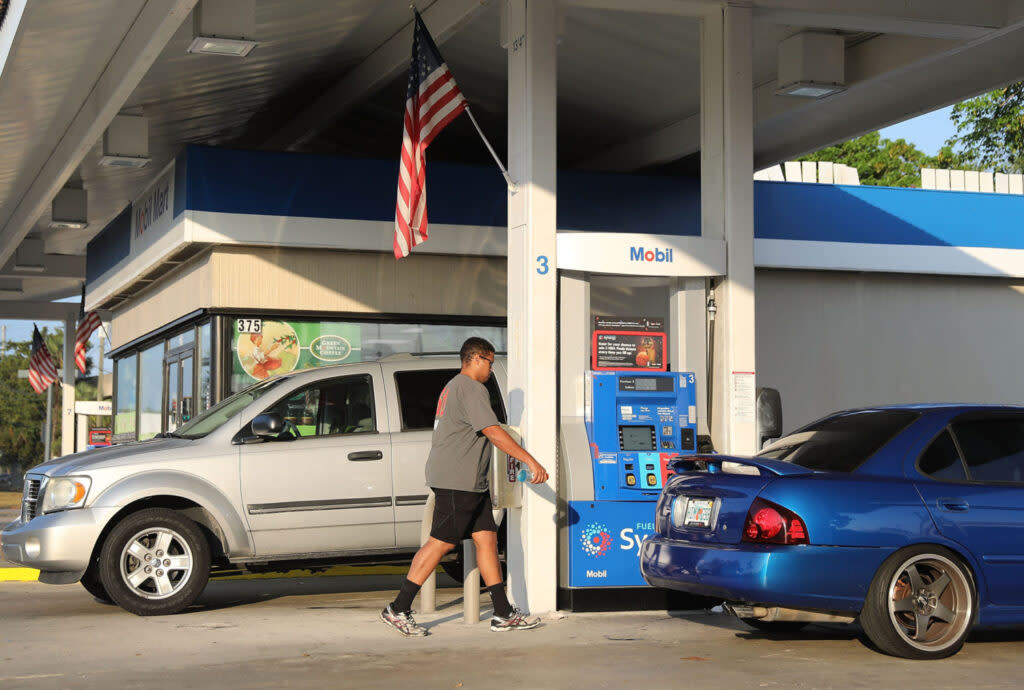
(840, 443)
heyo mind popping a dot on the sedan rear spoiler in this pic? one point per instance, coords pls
(713, 463)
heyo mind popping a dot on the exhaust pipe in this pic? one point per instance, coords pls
(777, 614)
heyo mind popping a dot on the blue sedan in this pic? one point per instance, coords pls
(910, 518)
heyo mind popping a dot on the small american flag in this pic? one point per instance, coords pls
(87, 323)
(41, 369)
(431, 102)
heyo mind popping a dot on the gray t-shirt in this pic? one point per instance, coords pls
(459, 455)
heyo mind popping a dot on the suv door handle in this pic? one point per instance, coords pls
(953, 505)
(366, 455)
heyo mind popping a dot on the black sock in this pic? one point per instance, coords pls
(403, 602)
(502, 609)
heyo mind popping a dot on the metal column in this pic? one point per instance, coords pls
(67, 404)
(727, 211)
(532, 276)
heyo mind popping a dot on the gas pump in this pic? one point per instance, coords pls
(635, 422)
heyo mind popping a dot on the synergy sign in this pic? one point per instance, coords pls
(606, 540)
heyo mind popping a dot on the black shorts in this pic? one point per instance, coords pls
(457, 514)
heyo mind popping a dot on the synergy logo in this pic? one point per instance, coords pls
(655, 255)
(595, 539)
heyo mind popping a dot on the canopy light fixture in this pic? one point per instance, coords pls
(224, 27)
(29, 268)
(810, 89)
(69, 209)
(126, 142)
(124, 161)
(811, 65)
(212, 45)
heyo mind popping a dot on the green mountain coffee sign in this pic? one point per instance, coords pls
(330, 348)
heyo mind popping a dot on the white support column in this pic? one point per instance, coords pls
(532, 283)
(727, 208)
(688, 340)
(67, 389)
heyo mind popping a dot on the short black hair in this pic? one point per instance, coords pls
(475, 346)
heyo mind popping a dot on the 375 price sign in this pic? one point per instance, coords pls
(249, 325)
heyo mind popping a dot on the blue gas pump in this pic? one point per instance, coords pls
(635, 422)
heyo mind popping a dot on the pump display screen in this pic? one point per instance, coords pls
(636, 438)
(651, 384)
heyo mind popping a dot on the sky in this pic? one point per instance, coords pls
(928, 132)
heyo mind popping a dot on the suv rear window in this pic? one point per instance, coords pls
(418, 392)
(840, 443)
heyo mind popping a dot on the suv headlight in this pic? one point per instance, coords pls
(64, 493)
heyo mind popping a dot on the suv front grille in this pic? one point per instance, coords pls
(30, 499)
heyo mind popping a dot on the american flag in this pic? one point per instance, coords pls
(431, 102)
(41, 369)
(87, 323)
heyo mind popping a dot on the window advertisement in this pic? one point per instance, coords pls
(263, 348)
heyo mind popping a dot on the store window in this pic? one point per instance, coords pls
(126, 378)
(151, 385)
(263, 348)
(204, 392)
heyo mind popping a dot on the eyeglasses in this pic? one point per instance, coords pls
(490, 361)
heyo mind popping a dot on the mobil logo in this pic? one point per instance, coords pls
(650, 255)
(595, 540)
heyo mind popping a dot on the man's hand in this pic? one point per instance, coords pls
(540, 475)
(506, 444)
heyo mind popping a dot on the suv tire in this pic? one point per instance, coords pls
(93, 585)
(155, 562)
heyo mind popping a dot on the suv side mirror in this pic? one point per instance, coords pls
(769, 415)
(268, 424)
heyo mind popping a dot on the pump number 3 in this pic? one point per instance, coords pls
(542, 264)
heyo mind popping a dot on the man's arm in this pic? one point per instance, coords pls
(506, 444)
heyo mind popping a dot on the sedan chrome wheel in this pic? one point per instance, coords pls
(156, 563)
(921, 604)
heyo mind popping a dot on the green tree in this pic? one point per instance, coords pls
(990, 130)
(884, 162)
(22, 410)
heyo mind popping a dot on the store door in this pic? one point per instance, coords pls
(178, 383)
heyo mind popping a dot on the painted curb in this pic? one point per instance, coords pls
(31, 575)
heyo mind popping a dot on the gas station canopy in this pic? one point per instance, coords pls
(97, 96)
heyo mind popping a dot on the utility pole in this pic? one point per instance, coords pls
(49, 423)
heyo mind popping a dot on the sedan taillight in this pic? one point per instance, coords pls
(768, 523)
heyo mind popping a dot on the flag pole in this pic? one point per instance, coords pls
(504, 173)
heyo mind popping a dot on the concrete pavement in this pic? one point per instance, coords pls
(324, 632)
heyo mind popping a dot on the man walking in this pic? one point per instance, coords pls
(465, 427)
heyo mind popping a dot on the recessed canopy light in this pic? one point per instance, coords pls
(807, 89)
(212, 45)
(30, 268)
(124, 161)
(69, 224)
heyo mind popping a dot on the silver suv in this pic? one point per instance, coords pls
(307, 469)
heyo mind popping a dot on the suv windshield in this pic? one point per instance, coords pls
(213, 418)
(840, 443)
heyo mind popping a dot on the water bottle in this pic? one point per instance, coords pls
(524, 475)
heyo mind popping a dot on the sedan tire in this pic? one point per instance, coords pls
(155, 562)
(921, 604)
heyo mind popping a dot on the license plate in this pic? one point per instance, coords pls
(698, 512)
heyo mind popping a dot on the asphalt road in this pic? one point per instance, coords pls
(324, 632)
